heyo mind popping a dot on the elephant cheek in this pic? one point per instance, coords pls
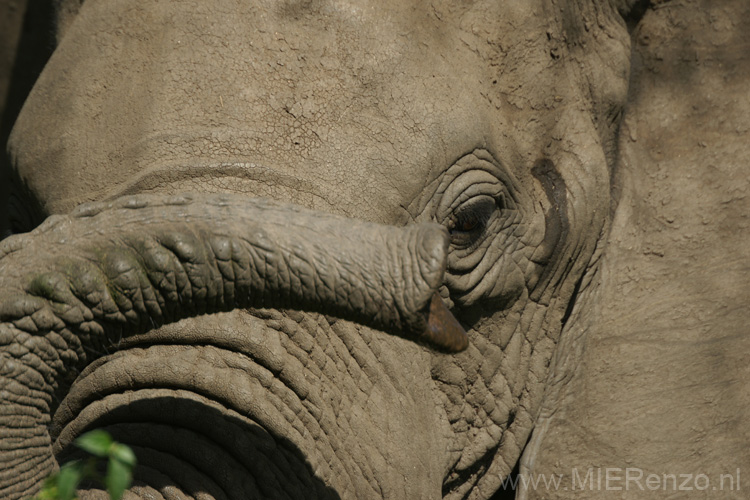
(245, 406)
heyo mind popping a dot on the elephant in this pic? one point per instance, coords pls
(352, 249)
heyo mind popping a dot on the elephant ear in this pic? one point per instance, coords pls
(660, 379)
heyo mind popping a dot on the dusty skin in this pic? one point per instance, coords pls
(386, 249)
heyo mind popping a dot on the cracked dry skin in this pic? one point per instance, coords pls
(494, 121)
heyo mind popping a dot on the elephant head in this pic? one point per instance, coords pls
(278, 200)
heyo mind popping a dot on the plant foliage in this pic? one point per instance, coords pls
(63, 484)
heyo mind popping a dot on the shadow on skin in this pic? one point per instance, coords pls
(187, 443)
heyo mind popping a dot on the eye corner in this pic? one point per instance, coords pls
(501, 202)
(469, 221)
(471, 199)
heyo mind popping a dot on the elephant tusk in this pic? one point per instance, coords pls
(443, 330)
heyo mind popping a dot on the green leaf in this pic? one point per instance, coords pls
(96, 442)
(49, 490)
(122, 453)
(118, 478)
(67, 480)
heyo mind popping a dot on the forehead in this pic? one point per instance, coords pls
(386, 28)
(350, 95)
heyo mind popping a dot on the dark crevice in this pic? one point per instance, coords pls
(155, 466)
(287, 463)
(635, 14)
(35, 46)
(207, 479)
(511, 417)
(507, 491)
(572, 302)
(109, 422)
(475, 472)
(24, 212)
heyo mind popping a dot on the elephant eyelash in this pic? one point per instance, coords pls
(467, 224)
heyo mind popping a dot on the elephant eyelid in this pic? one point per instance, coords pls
(469, 221)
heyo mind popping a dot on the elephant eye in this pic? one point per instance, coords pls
(467, 224)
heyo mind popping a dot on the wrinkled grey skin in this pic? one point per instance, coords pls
(659, 388)
(464, 150)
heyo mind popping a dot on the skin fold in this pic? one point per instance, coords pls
(140, 278)
(659, 393)
(422, 157)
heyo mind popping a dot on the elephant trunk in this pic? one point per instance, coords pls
(79, 284)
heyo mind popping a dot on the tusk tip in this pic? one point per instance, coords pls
(443, 330)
